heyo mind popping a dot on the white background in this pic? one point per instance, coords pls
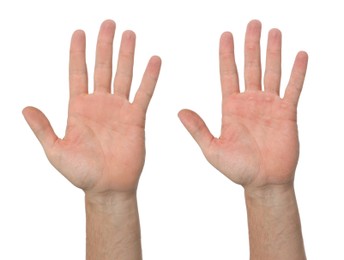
(188, 209)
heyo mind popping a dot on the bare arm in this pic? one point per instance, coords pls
(274, 223)
(113, 228)
(258, 147)
(103, 150)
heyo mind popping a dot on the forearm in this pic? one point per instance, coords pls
(274, 224)
(112, 228)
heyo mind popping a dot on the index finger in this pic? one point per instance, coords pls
(228, 68)
(78, 81)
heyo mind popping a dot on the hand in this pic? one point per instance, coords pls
(259, 144)
(104, 145)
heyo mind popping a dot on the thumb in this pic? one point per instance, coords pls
(40, 126)
(196, 127)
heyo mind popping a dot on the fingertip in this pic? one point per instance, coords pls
(180, 112)
(154, 66)
(78, 33)
(108, 27)
(226, 36)
(226, 39)
(32, 115)
(183, 113)
(40, 125)
(128, 34)
(27, 112)
(301, 61)
(156, 59)
(195, 125)
(78, 40)
(181, 116)
(255, 23)
(190, 119)
(108, 23)
(24, 110)
(303, 55)
(274, 32)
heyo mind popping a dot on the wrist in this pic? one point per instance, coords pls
(112, 226)
(271, 195)
(274, 222)
(111, 201)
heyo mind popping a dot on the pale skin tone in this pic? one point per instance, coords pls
(103, 150)
(258, 147)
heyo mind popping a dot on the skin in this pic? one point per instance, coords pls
(103, 150)
(258, 147)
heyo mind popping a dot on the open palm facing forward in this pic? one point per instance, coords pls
(104, 146)
(258, 145)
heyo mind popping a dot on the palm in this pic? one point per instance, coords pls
(103, 148)
(258, 144)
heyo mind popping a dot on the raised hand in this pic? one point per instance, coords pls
(258, 145)
(103, 149)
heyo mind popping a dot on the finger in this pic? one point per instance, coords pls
(103, 66)
(252, 56)
(272, 77)
(78, 81)
(196, 127)
(228, 68)
(124, 73)
(41, 127)
(297, 77)
(148, 83)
